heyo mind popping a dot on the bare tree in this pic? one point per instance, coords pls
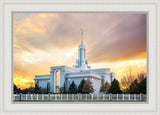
(126, 81)
(88, 87)
(105, 87)
(141, 77)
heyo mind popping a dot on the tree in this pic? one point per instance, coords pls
(130, 83)
(81, 86)
(31, 88)
(88, 87)
(48, 87)
(73, 88)
(126, 81)
(43, 91)
(130, 78)
(141, 87)
(105, 87)
(37, 88)
(133, 86)
(16, 89)
(63, 89)
(115, 88)
(141, 77)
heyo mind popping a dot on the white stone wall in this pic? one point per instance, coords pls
(108, 78)
(96, 85)
(77, 81)
(105, 73)
(62, 78)
(63, 70)
(43, 83)
(95, 82)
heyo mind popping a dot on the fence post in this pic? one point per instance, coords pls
(91, 96)
(37, 96)
(140, 96)
(97, 97)
(135, 97)
(61, 96)
(128, 96)
(117, 96)
(55, 96)
(49, 96)
(42, 96)
(20, 97)
(13, 97)
(26, 96)
(67, 96)
(86, 96)
(110, 96)
(123, 96)
(103, 96)
(72, 96)
(31, 96)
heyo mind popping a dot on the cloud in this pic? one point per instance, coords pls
(115, 36)
(125, 37)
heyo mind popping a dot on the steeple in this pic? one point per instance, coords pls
(82, 62)
(81, 36)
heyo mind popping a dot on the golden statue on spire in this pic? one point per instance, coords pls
(82, 31)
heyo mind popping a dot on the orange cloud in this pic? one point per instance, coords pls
(22, 81)
(123, 68)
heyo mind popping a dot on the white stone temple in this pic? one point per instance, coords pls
(64, 74)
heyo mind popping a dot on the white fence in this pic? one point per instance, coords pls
(79, 97)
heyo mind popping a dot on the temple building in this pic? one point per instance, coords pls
(60, 75)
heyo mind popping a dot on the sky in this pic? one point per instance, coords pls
(43, 40)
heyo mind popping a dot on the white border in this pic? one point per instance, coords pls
(7, 7)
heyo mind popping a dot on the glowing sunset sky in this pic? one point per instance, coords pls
(43, 40)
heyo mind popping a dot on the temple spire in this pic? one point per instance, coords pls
(81, 36)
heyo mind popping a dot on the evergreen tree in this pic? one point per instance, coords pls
(141, 87)
(105, 87)
(88, 87)
(133, 86)
(64, 88)
(16, 89)
(73, 88)
(37, 88)
(61, 90)
(115, 88)
(48, 87)
(81, 86)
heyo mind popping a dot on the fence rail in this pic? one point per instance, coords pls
(79, 97)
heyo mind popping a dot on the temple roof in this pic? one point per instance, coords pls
(83, 75)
